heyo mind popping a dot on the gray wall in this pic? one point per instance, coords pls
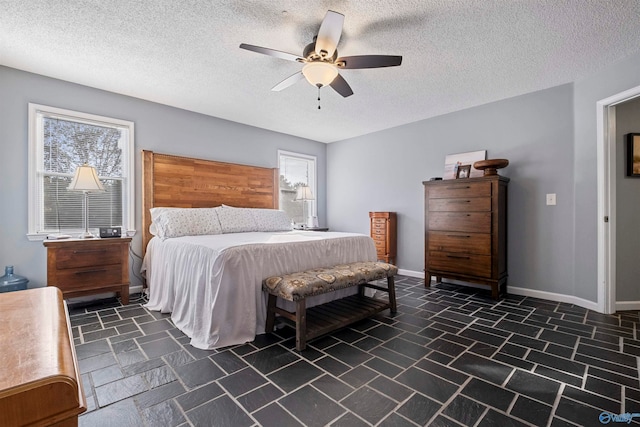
(627, 207)
(157, 127)
(549, 138)
(385, 170)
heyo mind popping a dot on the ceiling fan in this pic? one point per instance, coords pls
(321, 61)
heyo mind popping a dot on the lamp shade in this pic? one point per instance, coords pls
(85, 179)
(304, 193)
(319, 73)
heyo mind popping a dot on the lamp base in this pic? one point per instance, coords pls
(86, 235)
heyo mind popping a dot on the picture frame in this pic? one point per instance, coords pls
(453, 161)
(464, 171)
(633, 154)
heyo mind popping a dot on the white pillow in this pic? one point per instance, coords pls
(177, 222)
(236, 220)
(271, 220)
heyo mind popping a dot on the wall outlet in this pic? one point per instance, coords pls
(551, 199)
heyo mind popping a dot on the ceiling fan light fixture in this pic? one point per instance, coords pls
(319, 73)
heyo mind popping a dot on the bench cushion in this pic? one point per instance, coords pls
(296, 286)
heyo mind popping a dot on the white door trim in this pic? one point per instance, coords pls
(606, 170)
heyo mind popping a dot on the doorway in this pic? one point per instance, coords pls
(606, 171)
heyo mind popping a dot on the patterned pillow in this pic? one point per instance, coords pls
(271, 220)
(236, 220)
(176, 222)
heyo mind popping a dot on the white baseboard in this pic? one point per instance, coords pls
(411, 273)
(552, 296)
(627, 305)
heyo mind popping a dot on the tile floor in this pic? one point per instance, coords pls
(451, 356)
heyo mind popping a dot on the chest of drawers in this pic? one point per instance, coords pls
(89, 266)
(466, 231)
(383, 232)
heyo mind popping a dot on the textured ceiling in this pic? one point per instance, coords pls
(456, 54)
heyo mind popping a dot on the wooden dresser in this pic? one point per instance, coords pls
(383, 233)
(81, 267)
(40, 384)
(466, 231)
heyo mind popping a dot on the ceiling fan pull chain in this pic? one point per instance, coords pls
(319, 86)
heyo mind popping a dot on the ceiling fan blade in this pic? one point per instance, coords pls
(329, 33)
(368, 61)
(340, 85)
(289, 81)
(271, 52)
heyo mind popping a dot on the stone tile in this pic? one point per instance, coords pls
(465, 410)
(166, 414)
(159, 394)
(242, 381)
(123, 413)
(482, 368)
(531, 411)
(348, 354)
(225, 412)
(295, 375)
(198, 396)
(155, 349)
(494, 418)
(369, 404)
(311, 407)
(119, 390)
(271, 358)
(332, 387)
(488, 394)
(274, 416)
(427, 384)
(419, 409)
(534, 386)
(260, 397)
(198, 373)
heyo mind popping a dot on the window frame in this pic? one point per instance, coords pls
(313, 176)
(36, 158)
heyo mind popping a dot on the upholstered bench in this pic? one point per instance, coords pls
(336, 314)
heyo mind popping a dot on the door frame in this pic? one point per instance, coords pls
(606, 171)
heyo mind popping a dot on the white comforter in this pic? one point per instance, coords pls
(212, 285)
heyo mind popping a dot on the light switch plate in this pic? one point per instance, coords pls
(551, 199)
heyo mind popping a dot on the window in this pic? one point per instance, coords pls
(60, 141)
(297, 170)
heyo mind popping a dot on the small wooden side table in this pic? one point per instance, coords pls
(80, 267)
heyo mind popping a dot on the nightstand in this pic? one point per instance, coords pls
(81, 267)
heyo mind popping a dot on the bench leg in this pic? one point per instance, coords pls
(271, 313)
(301, 325)
(391, 285)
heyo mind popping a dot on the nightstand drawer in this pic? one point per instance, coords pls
(85, 257)
(88, 277)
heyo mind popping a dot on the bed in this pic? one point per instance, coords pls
(210, 279)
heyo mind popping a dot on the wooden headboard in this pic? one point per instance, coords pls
(183, 182)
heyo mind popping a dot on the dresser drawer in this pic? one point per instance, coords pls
(85, 257)
(465, 222)
(461, 243)
(88, 277)
(475, 189)
(375, 232)
(460, 204)
(381, 244)
(469, 264)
